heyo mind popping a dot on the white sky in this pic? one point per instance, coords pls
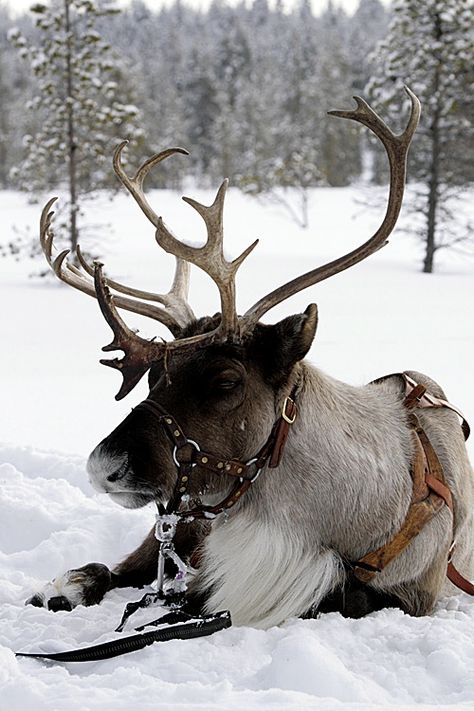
(318, 5)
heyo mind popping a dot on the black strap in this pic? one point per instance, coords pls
(181, 626)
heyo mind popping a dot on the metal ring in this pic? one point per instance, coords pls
(175, 449)
(249, 464)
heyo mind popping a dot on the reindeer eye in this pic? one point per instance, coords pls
(226, 380)
(227, 384)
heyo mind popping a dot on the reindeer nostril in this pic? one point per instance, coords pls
(119, 473)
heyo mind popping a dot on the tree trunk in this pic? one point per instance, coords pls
(430, 247)
(433, 181)
(71, 137)
(304, 208)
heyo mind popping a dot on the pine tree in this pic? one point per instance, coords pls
(231, 70)
(77, 108)
(286, 131)
(14, 84)
(430, 47)
(365, 29)
(339, 155)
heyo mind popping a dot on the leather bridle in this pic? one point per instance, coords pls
(187, 454)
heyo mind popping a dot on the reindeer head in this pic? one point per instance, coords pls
(216, 387)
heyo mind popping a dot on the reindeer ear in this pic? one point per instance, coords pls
(280, 346)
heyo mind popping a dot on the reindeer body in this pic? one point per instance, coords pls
(343, 488)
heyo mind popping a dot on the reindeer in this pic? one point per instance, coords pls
(351, 505)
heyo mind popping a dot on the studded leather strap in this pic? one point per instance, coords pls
(187, 454)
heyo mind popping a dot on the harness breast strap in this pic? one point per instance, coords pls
(430, 491)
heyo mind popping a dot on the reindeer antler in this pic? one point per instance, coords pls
(140, 353)
(175, 316)
(397, 150)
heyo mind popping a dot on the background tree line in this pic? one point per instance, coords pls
(246, 89)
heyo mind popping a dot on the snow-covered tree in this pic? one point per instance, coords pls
(78, 110)
(430, 47)
(367, 26)
(14, 84)
(231, 64)
(339, 157)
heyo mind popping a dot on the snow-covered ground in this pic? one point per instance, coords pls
(57, 403)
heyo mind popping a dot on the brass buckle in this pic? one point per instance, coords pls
(288, 419)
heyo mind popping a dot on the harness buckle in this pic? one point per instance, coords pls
(288, 418)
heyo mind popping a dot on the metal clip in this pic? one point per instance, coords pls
(165, 529)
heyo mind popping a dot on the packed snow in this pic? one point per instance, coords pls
(57, 403)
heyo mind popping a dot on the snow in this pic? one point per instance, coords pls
(57, 403)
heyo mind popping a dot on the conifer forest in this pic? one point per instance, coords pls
(246, 89)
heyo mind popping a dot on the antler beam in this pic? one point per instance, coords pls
(397, 150)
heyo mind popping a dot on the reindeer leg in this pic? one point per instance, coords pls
(355, 599)
(89, 584)
(80, 586)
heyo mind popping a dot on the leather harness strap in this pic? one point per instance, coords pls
(416, 395)
(459, 580)
(424, 505)
(423, 399)
(187, 454)
(430, 492)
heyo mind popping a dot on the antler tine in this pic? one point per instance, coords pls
(210, 257)
(57, 263)
(139, 353)
(175, 299)
(396, 147)
(135, 185)
(46, 233)
(180, 286)
(179, 313)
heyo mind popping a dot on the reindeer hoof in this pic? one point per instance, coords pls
(81, 586)
(36, 600)
(59, 603)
